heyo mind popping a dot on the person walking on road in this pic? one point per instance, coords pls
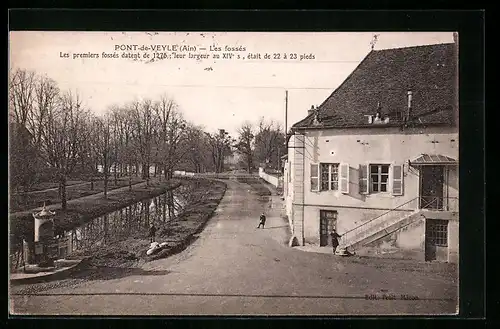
(262, 220)
(335, 240)
(152, 233)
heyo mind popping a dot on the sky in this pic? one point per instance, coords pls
(211, 92)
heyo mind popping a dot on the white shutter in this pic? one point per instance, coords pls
(314, 177)
(344, 178)
(363, 179)
(397, 180)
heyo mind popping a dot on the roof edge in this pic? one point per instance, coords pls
(388, 125)
(418, 46)
(336, 89)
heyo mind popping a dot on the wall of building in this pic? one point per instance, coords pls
(452, 191)
(347, 219)
(364, 146)
(296, 185)
(408, 242)
(453, 241)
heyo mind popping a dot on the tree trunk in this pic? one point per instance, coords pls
(145, 173)
(105, 180)
(170, 203)
(146, 212)
(92, 182)
(164, 208)
(63, 192)
(106, 228)
(116, 177)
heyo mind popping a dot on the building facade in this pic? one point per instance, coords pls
(378, 160)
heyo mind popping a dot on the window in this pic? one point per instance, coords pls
(437, 231)
(329, 176)
(314, 177)
(379, 177)
(374, 178)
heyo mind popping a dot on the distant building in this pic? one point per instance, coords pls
(378, 159)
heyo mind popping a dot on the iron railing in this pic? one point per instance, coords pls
(382, 221)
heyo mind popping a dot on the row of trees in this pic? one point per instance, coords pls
(53, 136)
(261, 144)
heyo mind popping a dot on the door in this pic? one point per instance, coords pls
(327, 222)
(436, 240)
(431, 187)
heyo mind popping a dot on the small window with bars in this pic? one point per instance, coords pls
(437, 232)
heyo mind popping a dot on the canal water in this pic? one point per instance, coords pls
(123, 223)
(130, 221)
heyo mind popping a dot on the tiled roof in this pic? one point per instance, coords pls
(384, 77)
(433, 159)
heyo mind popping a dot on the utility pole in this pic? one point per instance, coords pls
(286, 111)
(286, 125)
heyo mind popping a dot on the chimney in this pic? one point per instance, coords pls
(311, 110)
(408, 113)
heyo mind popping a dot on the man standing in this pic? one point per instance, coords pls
(152, 233)
(335, 240)
(262, 221)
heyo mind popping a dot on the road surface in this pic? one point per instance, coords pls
(233, 268)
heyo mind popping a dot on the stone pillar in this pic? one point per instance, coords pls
(43, 231)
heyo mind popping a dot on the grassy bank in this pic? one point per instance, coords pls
(204, 198)
(19, 202)
(81, 210)
(44, 186)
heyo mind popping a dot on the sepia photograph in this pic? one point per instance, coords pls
(233, 173)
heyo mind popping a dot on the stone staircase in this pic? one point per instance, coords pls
(380, 226)
(390, 222)
(377, 229)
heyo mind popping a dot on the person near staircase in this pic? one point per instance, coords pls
(335, 240)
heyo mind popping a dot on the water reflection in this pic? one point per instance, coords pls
(128, 221)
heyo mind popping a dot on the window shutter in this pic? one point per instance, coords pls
(344, 178)
(363, 179)
(397, 179)
(314, 177)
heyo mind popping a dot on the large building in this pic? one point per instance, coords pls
(378, 159)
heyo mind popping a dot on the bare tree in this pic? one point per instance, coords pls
(22, 86)
(21, 90)
(143, 133)
(220, 146)
(171, 134)
(269, 143)
(62, 137)
(244, 145)
(103, 147)
(198, 149)
(90, 149)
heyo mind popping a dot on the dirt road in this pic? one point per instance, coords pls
(235, 268)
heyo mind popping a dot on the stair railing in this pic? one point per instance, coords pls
(357, 231)
(364, 229)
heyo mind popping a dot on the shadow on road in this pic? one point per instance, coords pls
(270, 227)
(111, 273)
